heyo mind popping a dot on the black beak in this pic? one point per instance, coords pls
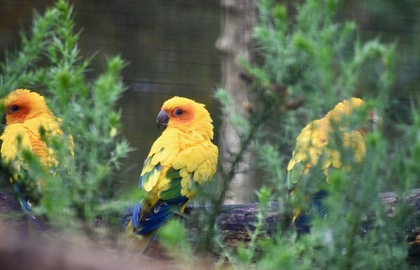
(162, 119)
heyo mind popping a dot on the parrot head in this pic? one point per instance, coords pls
(185, 114)
(370, 119)
(23, 104)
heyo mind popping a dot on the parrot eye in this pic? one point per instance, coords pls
(178, 112)
(14, 108)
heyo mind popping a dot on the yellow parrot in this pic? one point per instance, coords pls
(27, 118)
(318, 149)
(181, 160)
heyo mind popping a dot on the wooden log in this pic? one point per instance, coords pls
(234, 221)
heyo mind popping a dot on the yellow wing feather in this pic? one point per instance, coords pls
(198, 159)
(314, 140)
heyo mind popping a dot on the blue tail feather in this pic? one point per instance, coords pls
(303, 221)
(135, 218)
(27, 207)
(154, 217)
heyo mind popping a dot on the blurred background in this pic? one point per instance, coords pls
(170, 50)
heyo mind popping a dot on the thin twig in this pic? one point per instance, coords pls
(227, 177)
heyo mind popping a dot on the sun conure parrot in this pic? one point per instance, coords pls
(27, 118)
(180, 161)
(319, 148)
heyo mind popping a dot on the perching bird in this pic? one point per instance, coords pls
(181, 160)
(28, 120)
(319, 148)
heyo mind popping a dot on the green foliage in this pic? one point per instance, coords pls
(248, 130)
(246, 254)
(82, 191)
(314, 58)
(174, 239)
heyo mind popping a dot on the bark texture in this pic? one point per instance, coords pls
(237, 22)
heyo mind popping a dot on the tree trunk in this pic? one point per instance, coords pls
(234, 42)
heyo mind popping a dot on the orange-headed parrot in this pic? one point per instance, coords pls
(319, 148)
(181, 160)
(27, 118)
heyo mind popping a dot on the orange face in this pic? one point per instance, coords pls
(22, 104)
(18, 108)
(181, 114)
(176, 114)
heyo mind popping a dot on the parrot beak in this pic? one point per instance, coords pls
(162, 119)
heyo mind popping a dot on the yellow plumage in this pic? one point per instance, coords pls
(179, 162)
(320, 145)
(27, 118)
